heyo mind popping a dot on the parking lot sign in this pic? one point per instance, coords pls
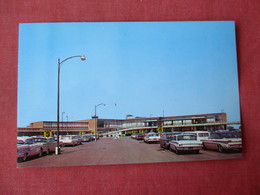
(82, 132)
(160, 128)
(47, 133)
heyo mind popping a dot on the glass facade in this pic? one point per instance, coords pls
(70, 125)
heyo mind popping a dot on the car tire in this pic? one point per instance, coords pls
(197, 151)
(40, 154)
(176, 151)
(48, 151)
(204, 147)
(220, 149)
(164, 146)
(161, 145)
(24, 158)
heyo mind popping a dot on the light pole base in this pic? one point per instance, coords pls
(57, 150)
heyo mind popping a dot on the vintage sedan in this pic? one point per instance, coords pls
(185, 142)
(26, 147)
(165, 137)
(94, 137)
(151, 137)
(70, 140)
(48, 144)
(134, 135)
(223, 141)
(139, 136)
(201, 135)
(86, 138)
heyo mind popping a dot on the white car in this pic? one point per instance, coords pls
(151, 137)
(201, 135)
(223, 141)
(185, 142)
(27, 147)
(70, 140)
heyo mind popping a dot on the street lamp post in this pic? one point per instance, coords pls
(67, 124)
(82, 57)
(97, 106)
(95, 117)
(62, 122)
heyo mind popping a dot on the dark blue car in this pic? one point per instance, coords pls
(165, 137)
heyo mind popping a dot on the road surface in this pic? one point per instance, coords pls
(120, 151)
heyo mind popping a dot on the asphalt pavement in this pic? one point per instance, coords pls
(120, 151)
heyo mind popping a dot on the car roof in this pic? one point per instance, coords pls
(197, 132)
(24, 138)
(40, 138)
(184, 134)
(223, 132)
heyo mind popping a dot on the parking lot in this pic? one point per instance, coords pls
(120, 151)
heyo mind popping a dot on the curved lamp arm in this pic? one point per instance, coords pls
(82, 57)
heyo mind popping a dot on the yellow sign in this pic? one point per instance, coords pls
(47, 133)
(160, 129)
(82, 132)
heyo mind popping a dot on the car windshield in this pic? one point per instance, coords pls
(170, 137)
(29, 141)
(186, 137)
(40, 140)
(203, 134)
(65, 137)
(153, 135)
(20, 142)
(230, 135)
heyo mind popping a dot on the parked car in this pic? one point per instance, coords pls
(134, 135)
(223, 141)
(78, 137)
(48, 144)
(26, 147)
(86, 138)
(70, 140)
(165, 137)
(94, 137)
(139, 136)
(201, 135)
(185, 142)
(151, 137)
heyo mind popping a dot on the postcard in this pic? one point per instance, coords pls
(103, 93)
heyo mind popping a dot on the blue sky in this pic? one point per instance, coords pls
(144, 68)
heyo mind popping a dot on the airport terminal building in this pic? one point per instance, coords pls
(131, 124)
